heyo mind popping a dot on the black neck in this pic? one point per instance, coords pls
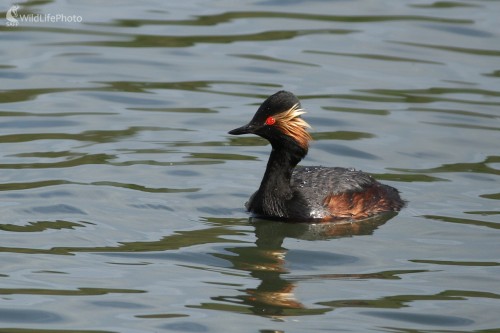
(275, 187)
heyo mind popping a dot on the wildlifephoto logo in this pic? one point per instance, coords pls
(14, 18)
(11, 16)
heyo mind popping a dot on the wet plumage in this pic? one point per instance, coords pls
(297, 193)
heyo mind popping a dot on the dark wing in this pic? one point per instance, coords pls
(341, 192)
(331, 180)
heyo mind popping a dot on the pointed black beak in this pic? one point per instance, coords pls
(242, 130)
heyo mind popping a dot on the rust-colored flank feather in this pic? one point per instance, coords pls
(373, 200)
(290, 123)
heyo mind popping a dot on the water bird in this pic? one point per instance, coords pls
(308, 193)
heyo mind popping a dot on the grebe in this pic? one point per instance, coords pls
(315, 193)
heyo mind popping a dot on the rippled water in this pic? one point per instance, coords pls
(121, 195)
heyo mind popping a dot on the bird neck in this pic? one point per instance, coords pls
(275, 188)
(280, 166)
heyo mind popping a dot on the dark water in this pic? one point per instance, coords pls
(121, 195)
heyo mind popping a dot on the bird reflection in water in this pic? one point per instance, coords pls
(275, 295)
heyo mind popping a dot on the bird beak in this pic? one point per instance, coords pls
(242, 130)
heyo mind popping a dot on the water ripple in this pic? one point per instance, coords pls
(29, 316)
(376, 57)
(457, 49)
(191, 40)
(478, 167)
(59, 292)
(41, 226)
(56, 182)
(216, 19)
(421, 318)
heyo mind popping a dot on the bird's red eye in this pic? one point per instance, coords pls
(270, 121)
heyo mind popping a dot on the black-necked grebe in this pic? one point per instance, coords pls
(312, 193)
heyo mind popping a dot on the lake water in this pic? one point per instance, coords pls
(121, 193)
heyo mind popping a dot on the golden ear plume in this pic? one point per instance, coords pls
(291, 124)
